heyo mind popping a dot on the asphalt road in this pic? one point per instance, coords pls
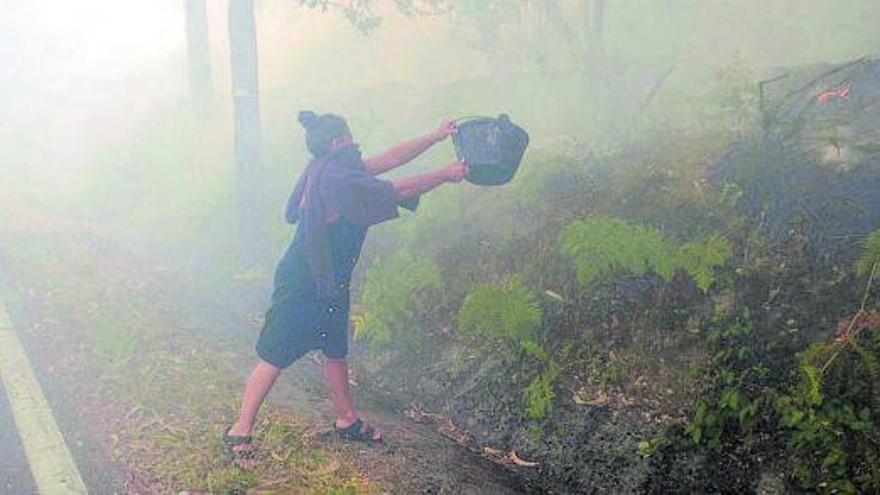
(15, 476)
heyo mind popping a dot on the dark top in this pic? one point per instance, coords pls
(293, 276)
(298, 321)
(323, 254)
(310, 301)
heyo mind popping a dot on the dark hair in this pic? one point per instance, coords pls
(321, 130)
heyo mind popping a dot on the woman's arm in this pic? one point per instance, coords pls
(405, 152)
(411, 187)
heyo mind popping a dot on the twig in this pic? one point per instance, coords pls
(819, 78)
(762, 103)
(849, 336)
(656, 88)
(847, 236)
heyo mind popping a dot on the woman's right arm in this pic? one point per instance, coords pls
(403, 153)
(411, 187)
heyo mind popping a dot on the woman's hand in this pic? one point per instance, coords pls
(454, 172)
(446, 129)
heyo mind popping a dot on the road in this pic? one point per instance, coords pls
(15, 476)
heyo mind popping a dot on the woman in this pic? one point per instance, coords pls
(335, 200)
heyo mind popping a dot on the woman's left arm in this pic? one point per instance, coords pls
(405, 152)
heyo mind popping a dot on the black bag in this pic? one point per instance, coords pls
(491, 148)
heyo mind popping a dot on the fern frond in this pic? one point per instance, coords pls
(811, 375)
(699, 259)
(532, 348)
(507, 311)
(539, 395)
(870, 254)
(599, 246)
(398, 291)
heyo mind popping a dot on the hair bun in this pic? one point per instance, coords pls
(307, 118)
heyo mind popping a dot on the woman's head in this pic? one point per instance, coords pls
(324, 133)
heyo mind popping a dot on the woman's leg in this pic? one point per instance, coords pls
(257, 387)
(336, 380)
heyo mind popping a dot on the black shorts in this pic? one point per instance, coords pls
(295, 327)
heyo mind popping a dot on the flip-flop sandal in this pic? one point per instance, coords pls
(232, 441)
(357, 431)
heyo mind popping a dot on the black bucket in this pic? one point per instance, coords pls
(491, 148)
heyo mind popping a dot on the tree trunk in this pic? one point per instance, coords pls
(598, 24)
(557, 19)
(248, 134)
(199, 54)
(593, 22)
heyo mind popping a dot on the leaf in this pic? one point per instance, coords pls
(399, 291)
(508, 311)
(602, 246)
(870, 254)
(518, 461)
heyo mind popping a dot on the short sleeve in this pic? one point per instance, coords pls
(362, 198)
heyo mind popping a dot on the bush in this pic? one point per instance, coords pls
(824, 411)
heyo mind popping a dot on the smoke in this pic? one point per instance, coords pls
(95, 108)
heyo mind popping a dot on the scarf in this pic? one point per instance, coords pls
(320, 185)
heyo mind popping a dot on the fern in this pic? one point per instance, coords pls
(700, 259)
(872, 370)
(512, 313)
(870, 254)
(811, 376)
(535, 350)
(398, 292)
(539, 394)
(601, 246)
(508, 311)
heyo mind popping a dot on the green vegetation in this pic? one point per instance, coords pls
(400, 294)
(606, 246)
(699, 260)
(161, 399)
(826, 415)
(870, 256)
(539, 394)
(602, 246)
(509, 311)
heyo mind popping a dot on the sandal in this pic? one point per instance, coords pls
(232, 441)
(360, 432)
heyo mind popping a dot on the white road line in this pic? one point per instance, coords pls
(51, 464)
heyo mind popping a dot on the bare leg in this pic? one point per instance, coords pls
(336, 380)
(257, 387)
